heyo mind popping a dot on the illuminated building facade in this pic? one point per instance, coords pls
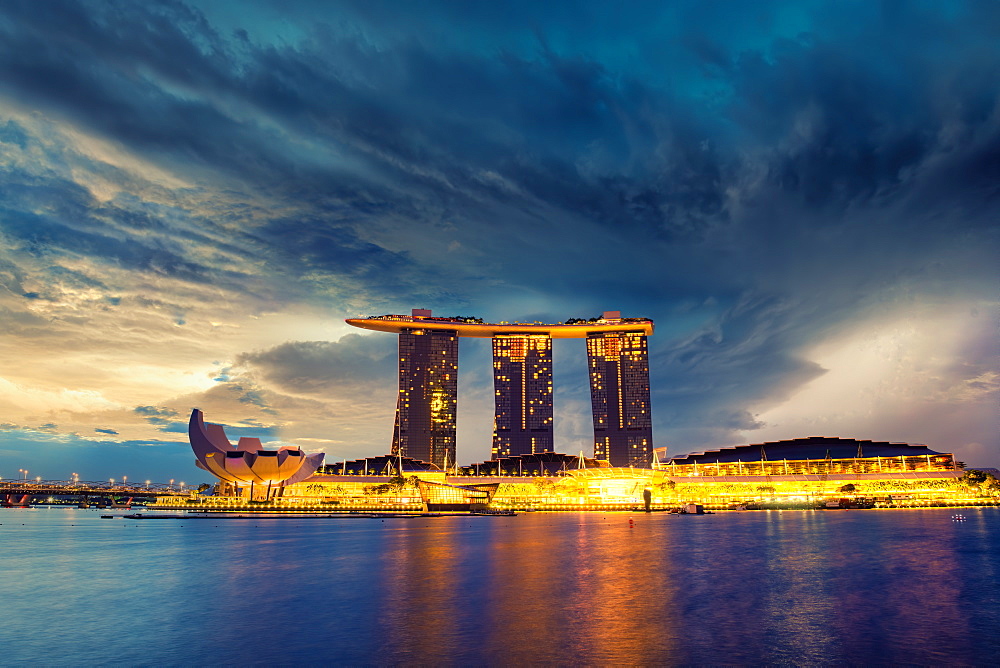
(247, 468)
(805, 473)
(812, 456)
(522, 384)
(619, 394)
(428, 395)
(381, 465)
(522, 376)
(536, 464)
(438, 497)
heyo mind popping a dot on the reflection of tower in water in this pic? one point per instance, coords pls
(624, 594)
(582, 591)
(527, 591)
(422, 594)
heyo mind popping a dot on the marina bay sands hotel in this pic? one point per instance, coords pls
(522, 383)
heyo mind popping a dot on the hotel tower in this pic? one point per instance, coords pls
(522, 383)
(619, 396)
(428, 395)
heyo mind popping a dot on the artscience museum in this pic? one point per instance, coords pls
(247, 469)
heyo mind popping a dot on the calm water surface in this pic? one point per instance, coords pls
(820, 588)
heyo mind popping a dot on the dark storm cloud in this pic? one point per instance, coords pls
(311, 244)
(86, 61)
(265, 433)
(112, 70)
(321, 367)
(88, 70)
(165, 419)
(71, 226)
(12, 133)
(750, 351)
(154, 411)
(564, 128)
(161, 418)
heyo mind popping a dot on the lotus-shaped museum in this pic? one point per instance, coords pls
(248, 463)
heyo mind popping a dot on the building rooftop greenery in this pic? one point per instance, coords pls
(472, 320)
(581, 321)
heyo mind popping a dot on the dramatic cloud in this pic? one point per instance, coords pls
(194, 195)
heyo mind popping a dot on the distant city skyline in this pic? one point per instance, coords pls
(195, 195)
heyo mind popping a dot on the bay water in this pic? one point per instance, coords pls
(761, 587)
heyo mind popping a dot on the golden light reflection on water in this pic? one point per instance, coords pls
(600, 595)
(541, 588)
(802, 588)
(618, 610)
(421, 606)
(814, 588)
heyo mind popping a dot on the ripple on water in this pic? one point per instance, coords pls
(804, 588)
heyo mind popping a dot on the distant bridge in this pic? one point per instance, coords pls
(96, 488)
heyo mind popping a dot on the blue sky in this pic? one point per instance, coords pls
(193, 196)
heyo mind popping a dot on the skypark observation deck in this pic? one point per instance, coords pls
(475, 328)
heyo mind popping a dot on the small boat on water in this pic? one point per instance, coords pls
(691, 509)
(493, 511)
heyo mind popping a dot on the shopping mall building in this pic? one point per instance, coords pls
(798, 473)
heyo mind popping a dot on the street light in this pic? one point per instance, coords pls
(124, 480)
(171, 483)
(147, 484)
(76, 477)
(38, 478)
(112, 481)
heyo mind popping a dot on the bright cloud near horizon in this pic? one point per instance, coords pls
(804, 196)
